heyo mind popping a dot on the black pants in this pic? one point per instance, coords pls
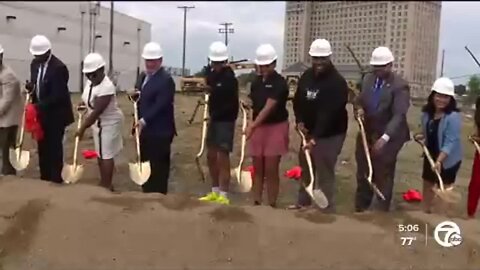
(50, 153)
(8, 137)
(384, 165)
(156, 150)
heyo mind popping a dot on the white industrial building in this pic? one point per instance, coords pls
(61, 22)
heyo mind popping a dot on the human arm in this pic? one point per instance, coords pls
(100, 103)
(452, 134)
(163, 98)
(11, 88)
(298, 101)
(401, 104)
(280, 91)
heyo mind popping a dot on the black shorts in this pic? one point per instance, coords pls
(448, 175)
(220, 135)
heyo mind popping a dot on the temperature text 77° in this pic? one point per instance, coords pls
(407, 240)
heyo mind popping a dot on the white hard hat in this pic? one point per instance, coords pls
(92, 62)
(444, 86)
(40, 45)
(320, 48)
(381, 56)
(266, 54)
(218, 52)
(1, 49)
(152, 51)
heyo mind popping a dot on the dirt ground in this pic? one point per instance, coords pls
(44, 226)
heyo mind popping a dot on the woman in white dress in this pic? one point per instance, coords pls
(103, 115)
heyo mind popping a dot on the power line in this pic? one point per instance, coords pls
(226, 30)
(185, 9)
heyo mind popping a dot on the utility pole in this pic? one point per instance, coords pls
(138, 52)
(90, 27)
(110, 51)
(96, 11)
(443, 61)
(185, 9)
(226, 30)
(82, 15)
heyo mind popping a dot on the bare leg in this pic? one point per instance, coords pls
(428, 196)
(273, 179)
(213, 165)
(106, 167)
(223, 164)
(257, 187)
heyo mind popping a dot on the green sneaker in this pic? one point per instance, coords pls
(210, 197)
(222, 200)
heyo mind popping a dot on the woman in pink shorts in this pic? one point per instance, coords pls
(268, 132)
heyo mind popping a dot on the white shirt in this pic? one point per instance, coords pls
(112, 114)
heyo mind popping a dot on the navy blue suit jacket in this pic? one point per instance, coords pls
(55, 105)
(156, 104)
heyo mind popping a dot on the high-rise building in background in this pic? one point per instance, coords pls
(410, 29)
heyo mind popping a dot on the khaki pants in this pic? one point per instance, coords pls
(324, 158)
(8, 137)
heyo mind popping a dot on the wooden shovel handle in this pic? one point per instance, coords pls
(244, 141)
(22, 129)
(431, 162)
(369, 159)
(307, 158)
(477, 147)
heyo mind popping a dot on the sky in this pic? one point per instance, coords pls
(255, 23)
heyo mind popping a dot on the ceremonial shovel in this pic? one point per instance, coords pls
(316, 194)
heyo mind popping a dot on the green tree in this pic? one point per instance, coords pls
(473, 88)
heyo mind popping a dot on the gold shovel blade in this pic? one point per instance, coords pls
(244, 184)
(139, 172)
(71, 174)
(19, 158)
(448, 195)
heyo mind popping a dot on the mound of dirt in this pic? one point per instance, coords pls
(45, 226)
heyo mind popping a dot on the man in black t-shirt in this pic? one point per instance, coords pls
(223, 110)
(268, 133)
(320, 113)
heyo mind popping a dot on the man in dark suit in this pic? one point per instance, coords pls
(48, 87)
(383, 102)
(157, 121)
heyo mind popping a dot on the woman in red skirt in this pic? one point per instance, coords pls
(474, 186)
(268, 132)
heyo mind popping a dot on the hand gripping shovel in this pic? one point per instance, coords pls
(72, 173)
(477, 147)
(243, 178)
(139, 171)
(316, 194)
(448, 195)
(369, 160)
(20, 158)
(204, 135)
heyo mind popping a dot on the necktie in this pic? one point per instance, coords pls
(376, 93)
(147, 77)
(39, 80)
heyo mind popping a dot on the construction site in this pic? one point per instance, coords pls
(45, 226)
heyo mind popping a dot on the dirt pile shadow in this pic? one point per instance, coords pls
(230, 214)
(23, 226)
(176, 202)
